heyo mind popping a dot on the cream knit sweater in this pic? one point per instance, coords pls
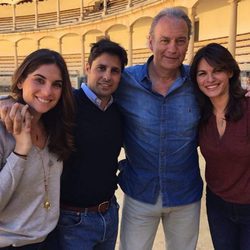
(23, 219)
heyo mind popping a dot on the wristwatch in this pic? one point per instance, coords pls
(4, 97)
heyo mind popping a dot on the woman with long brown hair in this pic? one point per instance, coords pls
(225, 144)
(31, 162)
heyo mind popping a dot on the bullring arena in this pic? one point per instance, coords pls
(69, 27)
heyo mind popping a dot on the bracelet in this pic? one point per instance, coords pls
(20, 155)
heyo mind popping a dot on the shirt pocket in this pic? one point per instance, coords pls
(185, 119)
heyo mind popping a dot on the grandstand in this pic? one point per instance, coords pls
(69, 27)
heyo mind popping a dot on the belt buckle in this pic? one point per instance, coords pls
(105, 203)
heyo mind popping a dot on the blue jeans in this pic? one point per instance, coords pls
(90, 230)
(35, 246)
(229, 223)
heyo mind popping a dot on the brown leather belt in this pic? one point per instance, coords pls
(101, 208)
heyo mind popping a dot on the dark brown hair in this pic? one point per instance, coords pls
(220, 58)
(106, 46)
(58, 121)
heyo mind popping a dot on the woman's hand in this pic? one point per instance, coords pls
(22, 118)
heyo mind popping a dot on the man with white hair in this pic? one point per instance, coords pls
(160, 175)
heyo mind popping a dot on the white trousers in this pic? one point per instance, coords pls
(140, 222)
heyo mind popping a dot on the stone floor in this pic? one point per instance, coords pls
(204, 241)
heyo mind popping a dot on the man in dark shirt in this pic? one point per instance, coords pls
(89, 210)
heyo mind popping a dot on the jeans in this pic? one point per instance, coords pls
(229, 223)
(35, 246)
(140, 222)
(90, 230)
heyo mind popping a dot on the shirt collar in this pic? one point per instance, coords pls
(146, 82)
(145, 74)
(144, 71)
(93, 98)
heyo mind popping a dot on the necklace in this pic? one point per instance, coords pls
(221, 122)
(46, 173)
(38, 137)
(220, 119)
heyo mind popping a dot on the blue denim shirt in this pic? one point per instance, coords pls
(160, 139)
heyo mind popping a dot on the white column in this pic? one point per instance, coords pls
(129, 4)
(13, 17)
(190, 52)
(15, 55)
(232, 26)
(83, 73)
(81, 10)
(104, 7)
(36, 13)
(58, 12)
(130, 46)
(106, 34)
(60, 45)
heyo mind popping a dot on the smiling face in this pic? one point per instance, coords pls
(104, 75)
(212, 82)
(169, 43)
(42, 89)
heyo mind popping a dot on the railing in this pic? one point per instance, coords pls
(116, 6)
(7, 65)
(242, 51)
(69, 16)
(141, 55)
(74, 63)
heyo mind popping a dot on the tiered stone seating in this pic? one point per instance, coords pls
(116, 6)
(242, 54)
(7, 65)
(135, 2)
(47, 19)
(25, 22)
(73, 62)
(221, 40)
(70, 15)
(91, 12)
(243, 49)
(7, 68)
(5, 24)
(140, 56)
